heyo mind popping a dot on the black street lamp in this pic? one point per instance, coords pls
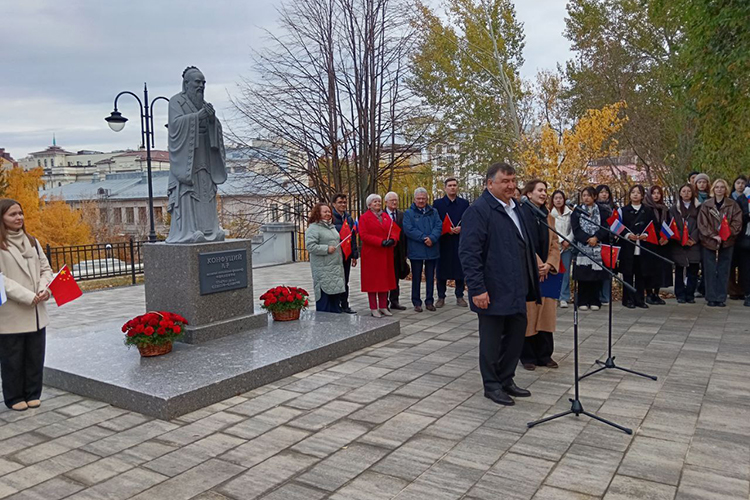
(117, 122)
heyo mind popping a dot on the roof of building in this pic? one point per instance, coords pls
(51, 150)
(134, 186)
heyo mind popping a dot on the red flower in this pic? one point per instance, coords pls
(161, 331)
(139, 328)
(148, 331)
(177, 329)
(305, 302)
(124, 328)
(131, 334)
(297, 296)
(267, 303)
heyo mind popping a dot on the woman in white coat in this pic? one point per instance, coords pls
(23, 318)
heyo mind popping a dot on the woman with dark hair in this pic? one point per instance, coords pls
(686, 253)
(633, 265)
(326, 260)
(606, 207)
(542, 318)
(739, 276)
(562, 213)
(702, 187)
(23, 319)
(588, 270)
(660, 275)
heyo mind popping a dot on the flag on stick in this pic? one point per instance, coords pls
(616, 225)
(675, 230)
(685, 233)
(666, 230)
(609, 255)
(724, 231)
(447, 224)
(64, 287)
(346, 239)
(650, 232)
(612, 218)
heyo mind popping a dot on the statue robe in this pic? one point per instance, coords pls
(196, 167)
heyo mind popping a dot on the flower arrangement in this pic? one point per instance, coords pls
(154, 332)
(285, 302)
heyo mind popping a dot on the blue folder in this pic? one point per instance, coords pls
(551, 286)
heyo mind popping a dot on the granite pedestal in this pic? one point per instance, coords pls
(174, 280)
(98, 366)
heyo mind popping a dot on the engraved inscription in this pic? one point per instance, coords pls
(223, 271)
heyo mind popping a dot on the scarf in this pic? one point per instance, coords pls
(19, 241)
(660, 209)
(590, 256)
(378, 214)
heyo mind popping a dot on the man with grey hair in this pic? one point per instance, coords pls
(400, 267)
(196, 163)
(422, 227)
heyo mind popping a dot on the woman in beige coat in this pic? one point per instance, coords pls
(23, 318)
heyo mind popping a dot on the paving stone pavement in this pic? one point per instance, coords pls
(406, 419)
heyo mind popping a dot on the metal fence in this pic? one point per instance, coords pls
(100, 260)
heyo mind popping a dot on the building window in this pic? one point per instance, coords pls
(274, 212)
(142, 214)
(129, 215)
(45, 163)
(103, 215)
(89, 163)
(52, 162)
(158, 214)
(118, 216)
(38, 162)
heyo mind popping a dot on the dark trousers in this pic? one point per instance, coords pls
(22, 365)
(716, 273)
(634, 277)
(744, 269)
(588, 293)
(329, 303)
(345, 295)
(538, 349)
(500, 343)
(416, 281)
(682, 289)
(442, 286)
(394, 294)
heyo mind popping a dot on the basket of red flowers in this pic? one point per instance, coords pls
(154, 332)
(285, 302)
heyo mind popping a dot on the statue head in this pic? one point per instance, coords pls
(194, 84)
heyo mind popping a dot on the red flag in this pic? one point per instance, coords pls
(447, 224)
(64, 287)
(675, 230)
(685, 233)
(607, 259)
(724, 231)
(346, 239)
(612, 218)
(650, 232)
(394, 232)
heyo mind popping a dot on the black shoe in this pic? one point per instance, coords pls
(720, 304)
(397, 306)
(629, 305)
(516, 391)
(681, 301)
(736, 297)
(650, 300)
(348, 310)
(747, 302)
(430, 307)
(690, 301)
(711, 303)
(499, 397)
(642, 305)
(658, 300)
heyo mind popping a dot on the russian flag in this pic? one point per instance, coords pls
(666, 231)
(615, 222)
(3, 296)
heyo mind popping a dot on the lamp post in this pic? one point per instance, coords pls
(117, 122)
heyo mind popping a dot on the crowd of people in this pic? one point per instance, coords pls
(504, 246)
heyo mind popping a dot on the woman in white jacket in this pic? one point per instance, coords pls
(23, 318)
(562, 214)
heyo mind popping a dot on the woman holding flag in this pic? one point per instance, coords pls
(719, 223)
(588, 270)
(23, 317)
(638, 220)
(686, 250)
(379, 235)
(326, 259)
(661, 275)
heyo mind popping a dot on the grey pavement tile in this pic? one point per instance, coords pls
(654, 460)
(703, 484)
(267, 475)
(412, 459)
(459, 423)
(383, 409)
(200, 428)
(629, 488)
(482, 448)
(550, 493)
(292, 491)
(196, 480)
(121, 486)
(61, 445)
(440, 402)
(585, 469)
(39, 421)
(722, 452)
(264, 402)
(129, 438)
(371, 486)
(252, 427)
(325, 415)
(727, 416)
(47, 469)
(54, 489)
(442, 481)
(144, 452)
(397, 430)
(184, 458)
(99, 471)
(517, 476)
(265, 446)
(331, 439)
(372, 391)
(341, 467)
(318, 397)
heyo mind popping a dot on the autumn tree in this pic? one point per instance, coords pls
(24, 186)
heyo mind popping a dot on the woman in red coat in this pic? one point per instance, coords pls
(376, 231)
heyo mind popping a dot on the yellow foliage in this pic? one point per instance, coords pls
(562, 160)
(23, 186)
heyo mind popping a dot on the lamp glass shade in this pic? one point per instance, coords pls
(116, 121)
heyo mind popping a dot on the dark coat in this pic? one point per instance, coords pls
(491, 258)
(586, 273)
(743, 240)
(661, 274)
(709, 220)
(418, 226)
(684, 255)
(338, 222)
(399, 252)
(636, 223)
(449, 266)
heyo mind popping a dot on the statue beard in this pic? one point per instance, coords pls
(196, 97)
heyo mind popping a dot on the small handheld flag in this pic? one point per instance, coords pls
(64, 287)
(609, 255)
(3, 296)
(675, 230)
(666, 231)
(724, 231)
(650, 233)
(612, 218)
(616, 226)
(346, 239)
(685, 233)
(447, 224)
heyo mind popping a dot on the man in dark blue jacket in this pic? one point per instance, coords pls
(422, 226)
(449, 265)
(498, 260)
(339, 216)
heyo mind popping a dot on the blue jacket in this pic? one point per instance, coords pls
(418, 226)
(491, 258)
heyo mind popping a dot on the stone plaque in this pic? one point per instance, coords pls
(222, 271)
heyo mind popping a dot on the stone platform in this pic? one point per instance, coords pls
(97, 365)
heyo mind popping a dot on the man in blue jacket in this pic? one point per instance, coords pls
(498, 260)
(422, 226)
(339, 216)
(449, 265)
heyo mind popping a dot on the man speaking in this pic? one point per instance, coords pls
(499, 265)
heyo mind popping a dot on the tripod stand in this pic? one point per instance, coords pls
(576, 407)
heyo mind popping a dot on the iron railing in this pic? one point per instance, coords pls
(99, 260)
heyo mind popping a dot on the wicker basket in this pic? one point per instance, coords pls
(155, 350)
(288, 315)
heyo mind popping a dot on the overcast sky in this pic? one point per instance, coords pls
(63, 62)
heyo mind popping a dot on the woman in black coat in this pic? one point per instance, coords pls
(661, 271)
(633, 266)
(606, 207)
(739, 275)
(686, 253)
(588, 269)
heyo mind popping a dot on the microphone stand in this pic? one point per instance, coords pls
(609, 363)
(576, 407)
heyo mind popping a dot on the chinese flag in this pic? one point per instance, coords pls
(685, 233)
(346, 239)
(650, 232)
(675, 230)
(63, 287)
(447, 224)
(607, 259)
(612, 218)
(724, 231)
(394, 232)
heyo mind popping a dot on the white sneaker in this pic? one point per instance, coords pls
(595, 308)
(564, 304)
(583, 308)
(375, 313)
(385, 312)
